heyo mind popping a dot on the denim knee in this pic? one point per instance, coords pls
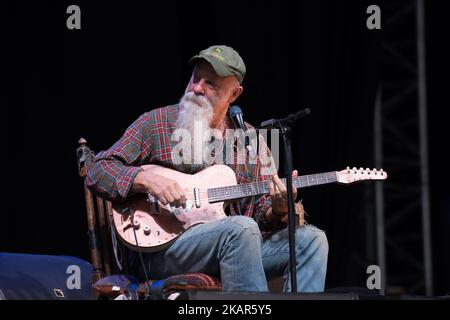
(315, 237)
(242, 225)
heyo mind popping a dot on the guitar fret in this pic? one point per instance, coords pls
(322, 179)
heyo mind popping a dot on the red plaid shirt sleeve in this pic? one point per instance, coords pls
(111, 174)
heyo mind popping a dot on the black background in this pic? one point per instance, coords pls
(131, 57)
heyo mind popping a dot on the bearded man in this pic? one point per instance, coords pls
(250, 245)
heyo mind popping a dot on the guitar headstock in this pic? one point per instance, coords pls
(352, 175)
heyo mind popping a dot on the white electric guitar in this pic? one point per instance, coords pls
(154, 226)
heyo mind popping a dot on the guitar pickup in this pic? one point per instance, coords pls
(197, 197)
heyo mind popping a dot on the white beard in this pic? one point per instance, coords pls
(194, 119)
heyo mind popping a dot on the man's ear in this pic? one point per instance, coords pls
(237, 91)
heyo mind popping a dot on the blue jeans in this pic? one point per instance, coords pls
(233, 250)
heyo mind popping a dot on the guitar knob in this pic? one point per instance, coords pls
(147, 230)
(136, 224)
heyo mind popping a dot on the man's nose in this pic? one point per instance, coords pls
(199, 87)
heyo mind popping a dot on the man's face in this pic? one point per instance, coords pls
(220, 91)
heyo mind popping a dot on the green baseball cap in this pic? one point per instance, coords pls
(224, 60)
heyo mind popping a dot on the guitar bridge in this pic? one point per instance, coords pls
(154, 203)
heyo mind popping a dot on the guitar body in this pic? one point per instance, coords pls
(157, 227)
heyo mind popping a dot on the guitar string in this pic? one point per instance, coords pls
(217, 197)
(263, 184)
(254, 185)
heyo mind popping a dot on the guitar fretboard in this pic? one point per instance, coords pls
(259, 188)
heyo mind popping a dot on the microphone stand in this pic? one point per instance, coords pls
(284, 125)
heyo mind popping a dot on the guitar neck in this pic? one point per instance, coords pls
(261, 188)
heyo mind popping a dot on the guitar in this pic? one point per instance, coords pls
(154, 226)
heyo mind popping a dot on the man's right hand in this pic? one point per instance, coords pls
(166, 190)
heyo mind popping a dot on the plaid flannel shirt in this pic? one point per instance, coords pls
(148, 141)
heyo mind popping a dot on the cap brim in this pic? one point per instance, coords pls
(218, 66)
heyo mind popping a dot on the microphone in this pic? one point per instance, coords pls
(238, 117)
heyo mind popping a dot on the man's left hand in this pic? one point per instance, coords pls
(278, 192)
